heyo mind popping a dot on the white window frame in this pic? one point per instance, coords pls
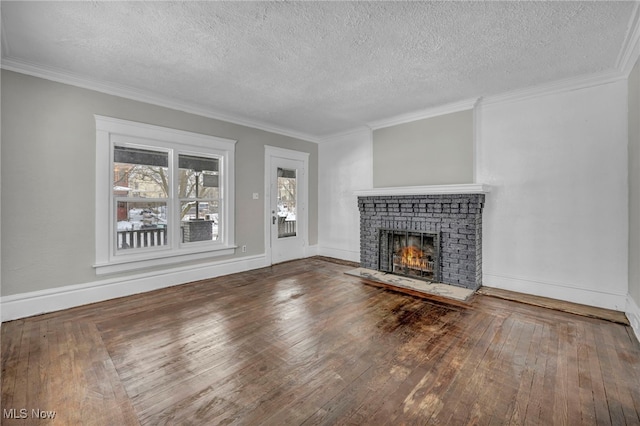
(113, 131)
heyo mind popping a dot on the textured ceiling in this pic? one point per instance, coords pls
(317, 68)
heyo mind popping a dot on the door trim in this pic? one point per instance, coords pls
(275, 152)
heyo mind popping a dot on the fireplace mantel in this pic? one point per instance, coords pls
(466, 188)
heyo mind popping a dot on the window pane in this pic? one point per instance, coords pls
(287, 199)
(139, 173)
(198, 163)
(140, 224)
(199, 220)
(198, 177)
(140, 156)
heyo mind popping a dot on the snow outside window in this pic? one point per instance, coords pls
(162, 195)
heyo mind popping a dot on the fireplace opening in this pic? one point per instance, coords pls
(410, 253)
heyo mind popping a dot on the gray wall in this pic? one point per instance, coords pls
(634, 183)
(48, 178)
(432, 151)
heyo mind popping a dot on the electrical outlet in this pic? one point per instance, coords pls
(256, 196)
(244, 249)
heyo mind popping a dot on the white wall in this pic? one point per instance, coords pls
(345, 165)
(556, 220)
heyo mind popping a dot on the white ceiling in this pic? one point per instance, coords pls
(314, 69)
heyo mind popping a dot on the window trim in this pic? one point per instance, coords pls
(108, 131)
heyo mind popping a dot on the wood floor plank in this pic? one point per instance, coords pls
(585, 391)
(11, 345)
(596, 384)
(617, 382)
(523, 394)
(562, 395)
(303, 343)
(20, 394)
(482, 368)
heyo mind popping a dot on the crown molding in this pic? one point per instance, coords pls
(127, 92)
(351, 132)
(555, 87)
(422, 114)
(630, 50)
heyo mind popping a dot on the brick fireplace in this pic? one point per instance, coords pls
(451, 221)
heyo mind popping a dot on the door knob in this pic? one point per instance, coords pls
(273, 220)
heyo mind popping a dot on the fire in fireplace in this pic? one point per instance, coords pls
(411, 258)
(410, 253)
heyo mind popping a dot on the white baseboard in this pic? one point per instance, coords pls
(40, 302)
(633, 314)
(600, 299)
(336, 253)
(310, 251)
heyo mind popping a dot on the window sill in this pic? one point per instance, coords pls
(130, 264)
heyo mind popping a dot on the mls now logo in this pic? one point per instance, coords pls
(23, 413)
(14, 413)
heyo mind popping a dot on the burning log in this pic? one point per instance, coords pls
(412, 258)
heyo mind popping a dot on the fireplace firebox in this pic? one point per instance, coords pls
(410, 253)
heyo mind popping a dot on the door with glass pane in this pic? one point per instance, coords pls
(287, 212)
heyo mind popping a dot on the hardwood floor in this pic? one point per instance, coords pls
(302, 343)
